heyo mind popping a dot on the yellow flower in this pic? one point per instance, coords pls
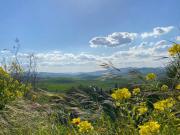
(114, 96)
(170, 102)
(142, 110)
(178, 97)
(76, 121)
(163, 104)
(149, 128)
(121, 94)
(8, 93)
(178, 87)
(85, 126)
(19, 94)
(136, 91)
(151, 76)
(34, 97)
(118, 104)
(174, 50)
(143, 104)
(164, 87)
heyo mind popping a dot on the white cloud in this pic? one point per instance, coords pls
(145, 50)
(142, 55)
(157, 31)
(57, 58)
(113, 40)
(121, 38)
(178, 38)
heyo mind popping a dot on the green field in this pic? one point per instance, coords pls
(58, 84)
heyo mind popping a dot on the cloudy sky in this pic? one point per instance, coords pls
(78, 35)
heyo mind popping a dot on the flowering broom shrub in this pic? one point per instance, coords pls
(10, 89)
(135, 115)
(153, 108)
(173, 68)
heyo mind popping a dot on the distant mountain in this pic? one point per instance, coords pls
(87, 75)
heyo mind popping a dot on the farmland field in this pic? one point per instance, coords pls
(63, 84)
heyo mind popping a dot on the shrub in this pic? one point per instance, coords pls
(173, 68)
(10, 88)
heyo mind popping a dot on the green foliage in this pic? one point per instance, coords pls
(10, 89)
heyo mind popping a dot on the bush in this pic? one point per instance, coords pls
(173, 68)
(10, 88)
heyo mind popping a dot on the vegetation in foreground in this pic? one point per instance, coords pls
(149, 108)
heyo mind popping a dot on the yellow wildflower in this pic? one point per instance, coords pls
(164, 87)
(143, 104)
(151, 76)
(121, 94)
(114, 96)
(34, 97)
(149, 128)
(118, 104)
(8, 93)
(19, 94)
(85, 126)
(136, 91)
(76, 121)
(178, 87)
(142, 110)
(170, 102)
(174, 50)
(178, 97)
(163, 104)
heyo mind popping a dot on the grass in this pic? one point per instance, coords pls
(49, 114)
(22, 116)
(27, 116)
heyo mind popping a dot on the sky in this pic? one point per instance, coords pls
(78, 35)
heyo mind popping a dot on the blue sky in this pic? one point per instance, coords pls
(82, 30)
